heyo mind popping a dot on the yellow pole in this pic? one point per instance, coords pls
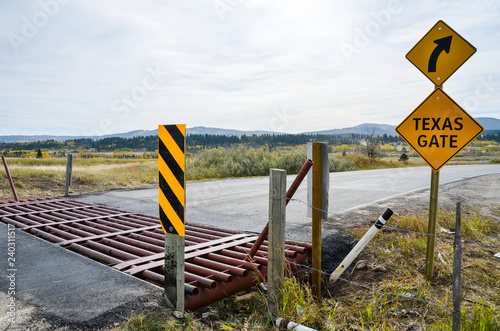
(431, 239)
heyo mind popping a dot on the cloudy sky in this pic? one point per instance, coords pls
(87, 67)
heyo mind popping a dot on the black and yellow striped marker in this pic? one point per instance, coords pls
(171, 169)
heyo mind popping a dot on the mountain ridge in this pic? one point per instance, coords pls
(490, 124)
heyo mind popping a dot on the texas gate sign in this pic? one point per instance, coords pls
(439, 128)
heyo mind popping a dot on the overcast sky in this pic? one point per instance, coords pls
(87, 67)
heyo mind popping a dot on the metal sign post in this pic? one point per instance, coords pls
(172, 197)
(438, 128)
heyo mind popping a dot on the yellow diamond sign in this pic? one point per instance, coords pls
(440, 53)
(438, 129)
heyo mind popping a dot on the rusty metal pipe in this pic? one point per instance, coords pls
(220, 266)
(63, 235)
(190, 289)
(233, 261)
(202, 271)
(9, 177)
(205, 282)
(265, 248)
(124, 247)
(289, 194)
(98, 256)
(16, 223)
(242, 256)
(141, 244)
(111, 251)
(153, 277)
(143, 238)
(45, 235)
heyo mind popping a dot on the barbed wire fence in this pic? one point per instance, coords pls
(403, 296)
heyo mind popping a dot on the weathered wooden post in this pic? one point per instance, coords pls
(69, 173)
(276, 256)
(457, 270)
(172, 197)
(431, 239)
(317, 215)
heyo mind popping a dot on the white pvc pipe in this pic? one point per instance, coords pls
(353, 254)
(280, 322)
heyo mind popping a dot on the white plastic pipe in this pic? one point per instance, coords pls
(353, 254)
(280, 322)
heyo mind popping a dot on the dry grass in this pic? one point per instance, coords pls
(390, 294)
(46, 177)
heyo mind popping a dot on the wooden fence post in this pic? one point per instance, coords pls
(69, 173)
(276, 256)
(317, 153)
(457, 270)
(431, 239)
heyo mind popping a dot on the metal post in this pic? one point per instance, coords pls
(457, 270)
(317, 152)
(276, 257)
(431, 239)
(174, 271)
(10, 178)
(69, 173)
(172, 198)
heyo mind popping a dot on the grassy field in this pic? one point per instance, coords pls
(390, 293)
(46, 176)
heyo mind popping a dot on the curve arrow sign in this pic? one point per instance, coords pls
(443, 44)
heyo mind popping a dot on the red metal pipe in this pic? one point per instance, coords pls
(54, 232)
(98, 256)
(242, 256)
(289, 194)
(207, 296)
(143, 238)
(205, 282)
(220, 266)
(45, 235)
(10, 178)
(233, 261)
(190, 289)
(217, 275)
(141, 244)
(111, 251)
(13, 222)
(124, 247)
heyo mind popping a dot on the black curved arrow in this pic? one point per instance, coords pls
(443, 44)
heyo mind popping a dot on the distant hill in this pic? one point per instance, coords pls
(367, 128)
(490, 124)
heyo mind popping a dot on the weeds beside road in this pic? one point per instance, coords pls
(389, 292)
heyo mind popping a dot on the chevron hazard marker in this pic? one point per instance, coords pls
(172, 179)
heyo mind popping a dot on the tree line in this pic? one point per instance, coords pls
(197, 142)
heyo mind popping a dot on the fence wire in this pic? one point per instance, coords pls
(451, 310)
(398, 229)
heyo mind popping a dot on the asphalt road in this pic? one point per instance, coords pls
(242, 204)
